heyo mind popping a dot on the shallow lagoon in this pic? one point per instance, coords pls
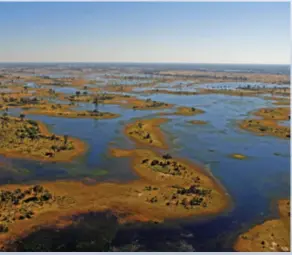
(253, 183)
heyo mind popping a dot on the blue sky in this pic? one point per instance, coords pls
(191, 32)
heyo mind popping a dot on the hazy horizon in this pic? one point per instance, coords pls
(152, 63)
(245, 33)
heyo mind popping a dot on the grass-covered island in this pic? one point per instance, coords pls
(238, 156)
(184, 111)
(268, 125)
(18, 100)
(122, 100)
(168, 188)
(270, 236)
(23, 138)
(66, 111)
(170, 92)
(147, 132)
(172, 186)
(188, 111)
(197, 122)
(149, 104)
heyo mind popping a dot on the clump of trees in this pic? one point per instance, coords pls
(19, 204)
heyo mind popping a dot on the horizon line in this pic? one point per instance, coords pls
(124, 62)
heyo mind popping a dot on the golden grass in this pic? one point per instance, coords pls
(147, 132)
(197, 122)
(65, 111)
(270, 236)
(132, 201)
(269, 124)
(16, 142)
(238, 156)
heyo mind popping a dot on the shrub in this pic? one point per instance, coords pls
(32, 122)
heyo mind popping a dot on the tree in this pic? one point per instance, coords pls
(4, 119)
(65, 139)
(52, 92)
(77, 93)
(96, 103)
(22, 116)
(54, 148)
(22, 136)
(5, 114)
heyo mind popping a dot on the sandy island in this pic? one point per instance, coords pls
(270, 236)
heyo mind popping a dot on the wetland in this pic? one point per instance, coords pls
(159, 160)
